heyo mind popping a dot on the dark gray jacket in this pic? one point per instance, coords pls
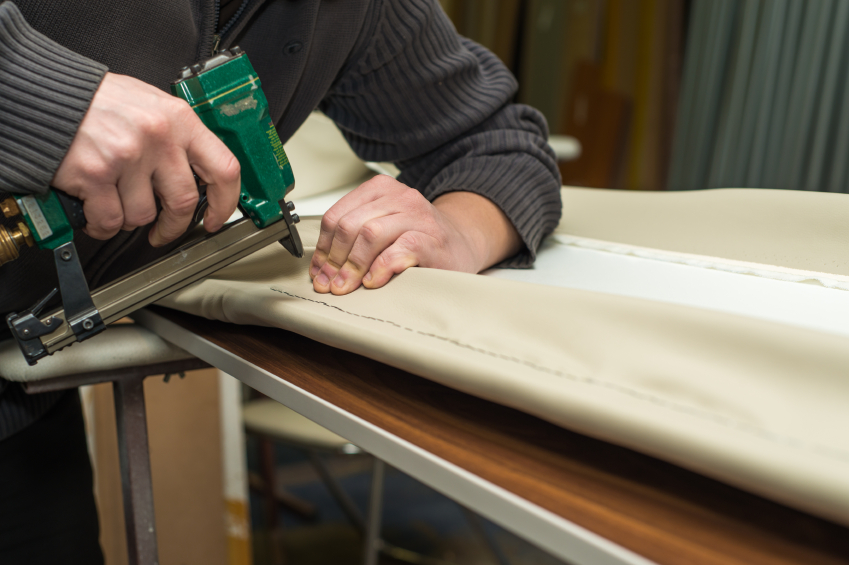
(393, 75)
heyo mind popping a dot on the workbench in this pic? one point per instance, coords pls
(583, 500)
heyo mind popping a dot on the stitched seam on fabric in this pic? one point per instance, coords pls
(718, 419)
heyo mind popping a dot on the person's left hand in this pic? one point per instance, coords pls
(384, 227)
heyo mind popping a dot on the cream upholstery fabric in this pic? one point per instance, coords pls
(760, 405)
(794, 229)
(120, 346)
(321, 158)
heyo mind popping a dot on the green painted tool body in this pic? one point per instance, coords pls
(48, 220)
(225, 93)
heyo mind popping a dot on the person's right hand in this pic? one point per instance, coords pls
(135, 142)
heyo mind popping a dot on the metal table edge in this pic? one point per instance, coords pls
(555, 534)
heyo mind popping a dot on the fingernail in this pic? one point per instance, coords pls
(313, 272)
(367, 278)
(339, 282)
(322, 279)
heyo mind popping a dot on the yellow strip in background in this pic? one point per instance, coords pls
(238, 533)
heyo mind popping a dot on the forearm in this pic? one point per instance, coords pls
(507, 161)
(489, 232)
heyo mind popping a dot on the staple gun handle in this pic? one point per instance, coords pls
(73, 208)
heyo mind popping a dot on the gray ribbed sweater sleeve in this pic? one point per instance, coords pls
(45, 91)
(439, 106)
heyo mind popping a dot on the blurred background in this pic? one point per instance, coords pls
(606, 72)
(681, 94)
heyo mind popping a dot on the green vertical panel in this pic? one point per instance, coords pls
(710, 15)
(739, 159)
(826, 106)
(734, 97)
(837, 181)
(710, 90)
(760, 104)
(803, 98)
(778, 121)
(541, 58)
(692, 71)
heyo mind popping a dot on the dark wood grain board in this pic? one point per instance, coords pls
(661, 511)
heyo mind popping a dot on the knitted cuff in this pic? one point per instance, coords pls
(520, 185)
(46, 92)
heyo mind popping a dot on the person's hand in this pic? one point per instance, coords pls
(135, 142)
(383, 227)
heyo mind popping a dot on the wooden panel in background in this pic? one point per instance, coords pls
(641, 61)
(598, 118)
(492, 23)
(654, 93)
(661, 511)
(637, 46)
(621, 45)
(185, 450)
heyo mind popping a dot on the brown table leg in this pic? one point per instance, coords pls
(128, 387)
(135, 471)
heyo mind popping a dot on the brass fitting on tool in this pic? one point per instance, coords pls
(10, 208)
(12, 239)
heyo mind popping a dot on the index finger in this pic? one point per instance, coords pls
(367, 192)
(174, 183)
(219, 168)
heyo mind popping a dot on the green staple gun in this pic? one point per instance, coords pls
(225, 93)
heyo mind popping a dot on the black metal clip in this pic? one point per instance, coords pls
(80, 312)
(27, 328)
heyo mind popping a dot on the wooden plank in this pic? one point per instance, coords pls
(656, 509)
